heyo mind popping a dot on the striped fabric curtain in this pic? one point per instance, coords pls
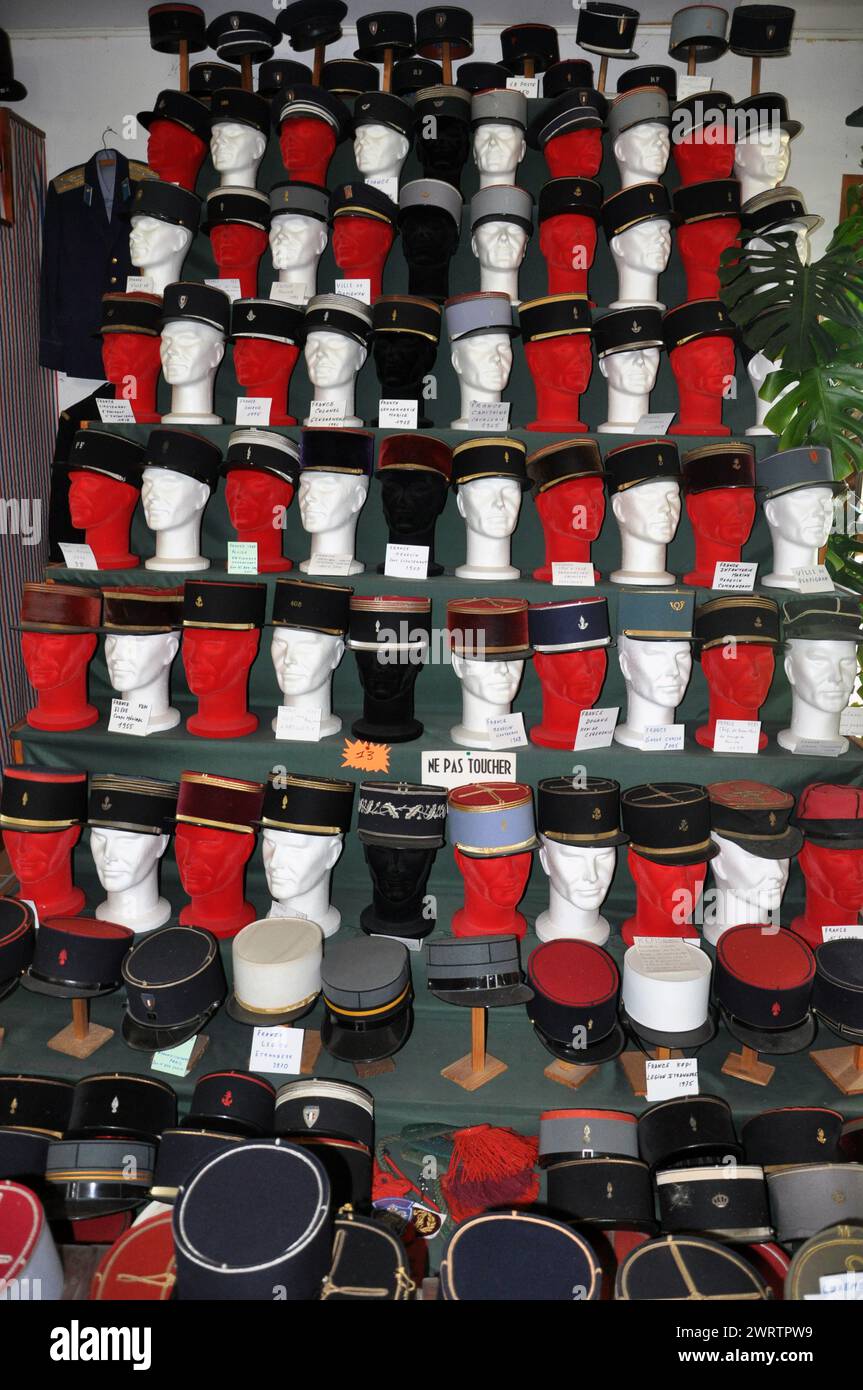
(28, 406)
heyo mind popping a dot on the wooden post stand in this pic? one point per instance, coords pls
(311, 1051)
(446, 63)
(747, 1066)
(690, 64)
(184, 65)
(365, 1070)
(755, 86)
(80, 1038)
(529, 68)
(844, 1066)
(2, 1036)
(387, 78)
(570, 1074)
(246, 70)
(478, 1067)
(633, 1064)
(318, 65)
(603, 71)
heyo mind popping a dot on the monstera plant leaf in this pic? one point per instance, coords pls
(784, 308)
(823, 405)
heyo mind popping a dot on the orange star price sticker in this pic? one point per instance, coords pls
(366, 757)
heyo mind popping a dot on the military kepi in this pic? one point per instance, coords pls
(484, 972)
(656, 615)
(401, 815)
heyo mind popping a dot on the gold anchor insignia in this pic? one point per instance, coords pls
(506, 455)
(183, 300)
(284, 803)
(25, 798)
(684, 825)
(582, 623)
(758, 622)
(820, 1136)
(636, 328)
(14, 1106)
(199, 602)
(677, 605)
(660, 460)
(590, 1025)
(651, 197)
(106, 803)
(251, 316)
(596, 814)
(577, 190)
(394, 315)
(772, 818)
(737, 465)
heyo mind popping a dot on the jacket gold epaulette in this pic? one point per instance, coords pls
(138, 171)
(70, 178)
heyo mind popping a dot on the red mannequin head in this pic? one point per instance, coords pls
(573, 676)
(131, 362)
(95, 499)
(704, 366)
(237, 249)
(564, 363)
(741, 674)
(360, 247)
(707, 154)
(52, 660)
(307, 145)
(216, 660)
(722, 514)
(834, 873)
(700, 245)
(35, 856)
(259, 359)
(568, 241)
(210, 860)
(252, 497)
(500, 880)
(175, 154)
(573, 510)
(578, 154)
(664, 885)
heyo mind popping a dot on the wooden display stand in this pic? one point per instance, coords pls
(80, 1038)
(844, 1066)
(2, 1036)
(633, 1064)
(364, 1070)
(478, 1067)
(571, 1074)
(747, 1066)
(311, 1051)
(184, 65)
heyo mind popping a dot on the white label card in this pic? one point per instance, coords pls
(674, 1076)
(813, 579)
(292, 292)
(653, 424)
(851, 721)
(242, 557)
(115, 412)
(230, 287)
(528, 86)
(596, 728)
(301, 725)
(78, 557)
(665, 954)
(736, 575)
(394, 414)
(819, 748)
(386, 183)
(174, 1060)
(736, 735)
(452, 767)
(577, 573)
(665, 737)
(506, 731)
(355, 289)
(277, 1050)
(848, 1284)
(851, 930)
(330, 564)
(488, 415)
(407, 561)
(692, 86)
(326, 413)
(253, 410)
(129, 717)
(139, 284)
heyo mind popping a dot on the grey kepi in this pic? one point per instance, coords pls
(481, 972)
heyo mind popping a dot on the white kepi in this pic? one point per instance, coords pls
(277, 970)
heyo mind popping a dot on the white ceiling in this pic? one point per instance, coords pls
(25, 16)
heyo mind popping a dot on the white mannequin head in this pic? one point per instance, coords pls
(296, 240)
(490, 506)
(580, 874)
(642, 152)
(483, 361)
(235, 147)
(649, 511)
(657, 671)
(136, 660)
(802, 517)
(329, 501)
(378, 150)
(494, 682)
(802, 234)
(498, 149)
(756, 883)
(154, 243)
(295, 863)
(190, 352)
(763, 156)
(644, 248)
(631, 373)
(332, 359)
(170, 499)
(303, 660)
(499, 245)
(821, 673)
(124, 858)
(759, 368)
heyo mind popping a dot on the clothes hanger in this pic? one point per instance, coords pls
(105, 151)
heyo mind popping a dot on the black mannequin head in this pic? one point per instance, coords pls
(399, 876)
(445, 155)
(412, 500)
(386, 681)
(429, 241)
(401, 362)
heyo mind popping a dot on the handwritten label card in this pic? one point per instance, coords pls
(506, 731)
(737, 576)
(355, 289)
(253, 410)
(577, 573)
(394, 414)
(667, 738)
(736, 735)
(115, 412)
(813, 579)
(301, 725)
(488, 415)
(128, 717)
(242, 557)
(596, 728)
(407, 561)
(326, 413)
(78, 557)
(277, 1050)
(674, 1076)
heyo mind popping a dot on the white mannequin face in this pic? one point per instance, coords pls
(235, 146)
(498, 148)
(171, 499)
(136, 661)
(377, 148)
(822, 673)
(332, 359)
(499, 245)
(296, 240)
(189, 351)
(151, 241)
(644, 248)
(303, 660)
(484, 361)
(802, 243)
(802, 517)
(649, 511)
(124, 858)
(632, 373)
(496, 682)
(759, 369)
(578, 873)
(657, 671)
(759, 882)
(490, 506)
(295, 863)
(328, 501)
(764, 156)
(643, 149)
